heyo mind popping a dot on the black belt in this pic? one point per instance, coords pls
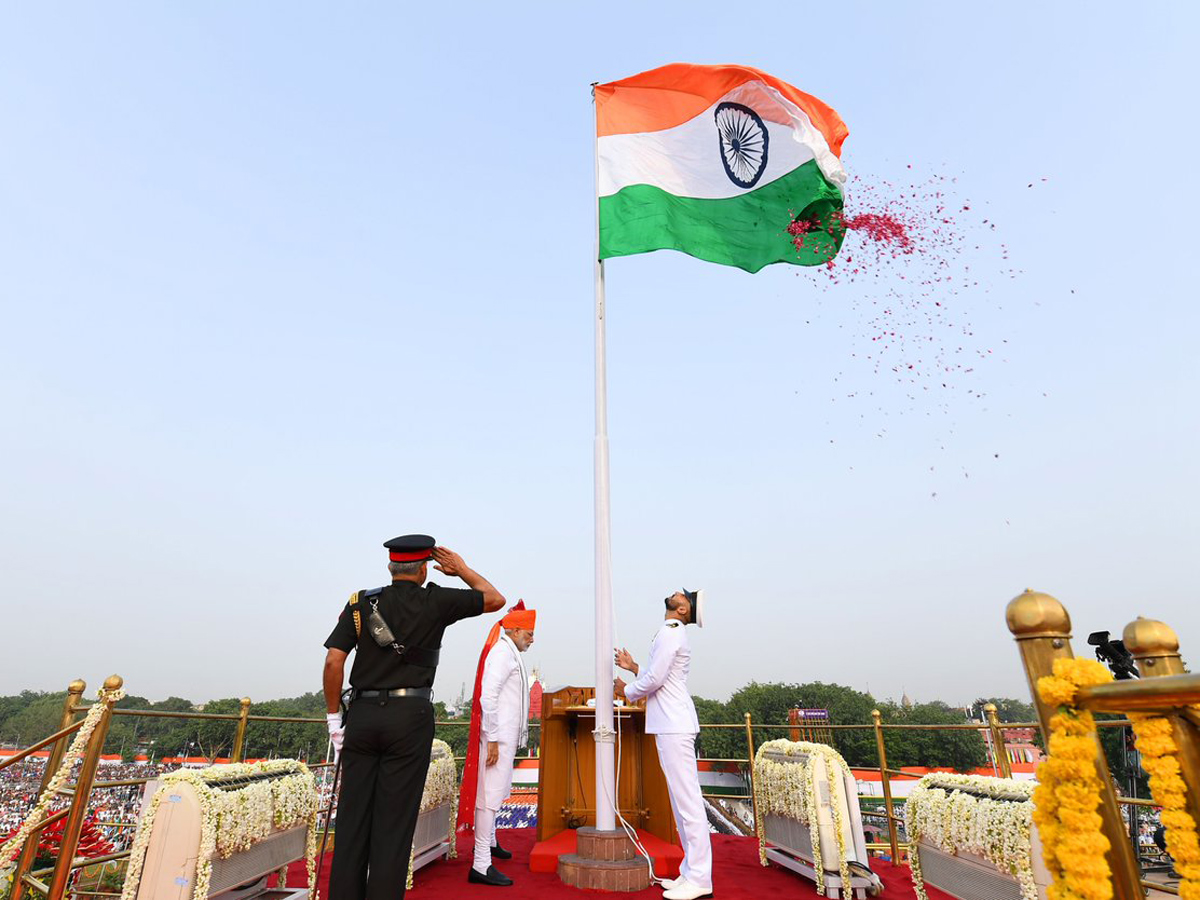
(426, 693)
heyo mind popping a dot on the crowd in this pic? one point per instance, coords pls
(114, 810)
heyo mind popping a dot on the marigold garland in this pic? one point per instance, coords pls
(1160, 758)
(1069, 790)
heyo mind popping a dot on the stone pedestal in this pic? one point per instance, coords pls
(604, 861)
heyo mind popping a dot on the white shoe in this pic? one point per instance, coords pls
(668, 883)
(687, 891)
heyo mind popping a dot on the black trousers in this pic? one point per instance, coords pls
(385, 758)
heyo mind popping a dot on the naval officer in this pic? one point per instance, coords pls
(386, 739)
(671, 718)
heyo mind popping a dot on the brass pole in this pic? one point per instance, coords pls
(1155, 646)
(44, 742)
(750, 756)
(74, 692)
(998, 741)
(877, 718)
(1042, 630)
(239, 740)
(69, 842)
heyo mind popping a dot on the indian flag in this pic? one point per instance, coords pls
(717, 162)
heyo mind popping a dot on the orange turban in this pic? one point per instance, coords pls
(519, 617)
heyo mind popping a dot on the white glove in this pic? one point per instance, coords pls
(337, 732)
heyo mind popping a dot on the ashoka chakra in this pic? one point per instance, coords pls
(743, 139)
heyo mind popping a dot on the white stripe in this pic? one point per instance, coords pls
(686, 160)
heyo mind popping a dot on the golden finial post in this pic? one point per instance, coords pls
(1155, 646)
(999, 751)
(750, 769)
(1042, 629)
(73, 826)
(877, 718)
(239, 739)
(25, 861)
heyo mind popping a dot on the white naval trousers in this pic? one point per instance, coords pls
(677, 756)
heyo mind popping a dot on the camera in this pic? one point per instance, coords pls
(1114, 655)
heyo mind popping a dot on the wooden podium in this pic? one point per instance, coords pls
(567, 768)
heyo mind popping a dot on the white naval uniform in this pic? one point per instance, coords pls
(504, 701)
(671, 718)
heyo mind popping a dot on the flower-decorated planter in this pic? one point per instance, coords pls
(808, 817)
(434, 837)
(209, 830)
(973, 837)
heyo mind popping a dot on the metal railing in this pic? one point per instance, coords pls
(59, 875)
(24, 876)
(993, 728)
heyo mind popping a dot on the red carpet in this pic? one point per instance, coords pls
(737, 875)
(544, 856)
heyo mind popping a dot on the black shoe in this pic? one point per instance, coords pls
(499, 879)
(499, 852)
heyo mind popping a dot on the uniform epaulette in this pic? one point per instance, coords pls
(357, 615)
(354, 598)
(674, 623)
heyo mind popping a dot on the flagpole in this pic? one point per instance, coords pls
(603, 734)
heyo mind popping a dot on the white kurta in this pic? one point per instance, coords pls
(504, 701)
(671, 718)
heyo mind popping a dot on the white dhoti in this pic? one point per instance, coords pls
(677, 756)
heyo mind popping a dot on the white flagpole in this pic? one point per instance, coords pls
(603, 735)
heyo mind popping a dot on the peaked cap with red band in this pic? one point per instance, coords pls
(410, 548)
(517, 617)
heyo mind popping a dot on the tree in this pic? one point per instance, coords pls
(12, 706)
(718, 743)
(768, 705)
(34, 716)
(959, 749)
(1007, 709)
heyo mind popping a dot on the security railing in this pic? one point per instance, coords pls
(993, 728)
(1039, 623)
(66, 863)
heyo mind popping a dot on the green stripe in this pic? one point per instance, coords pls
(749, 231)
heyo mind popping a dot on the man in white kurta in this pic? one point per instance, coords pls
(504, 704)
(671, 718)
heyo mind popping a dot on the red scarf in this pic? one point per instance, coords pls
(517, 617)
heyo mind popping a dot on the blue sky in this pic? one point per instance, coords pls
(280, 281)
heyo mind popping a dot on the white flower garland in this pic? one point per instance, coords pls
(72, 756)
(237, 819)
(788, 790)
(997, 826)
(441, 786)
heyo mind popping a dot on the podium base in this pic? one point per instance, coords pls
(604, 861)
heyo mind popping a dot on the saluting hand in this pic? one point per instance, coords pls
(623, 660)
(449, 562)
